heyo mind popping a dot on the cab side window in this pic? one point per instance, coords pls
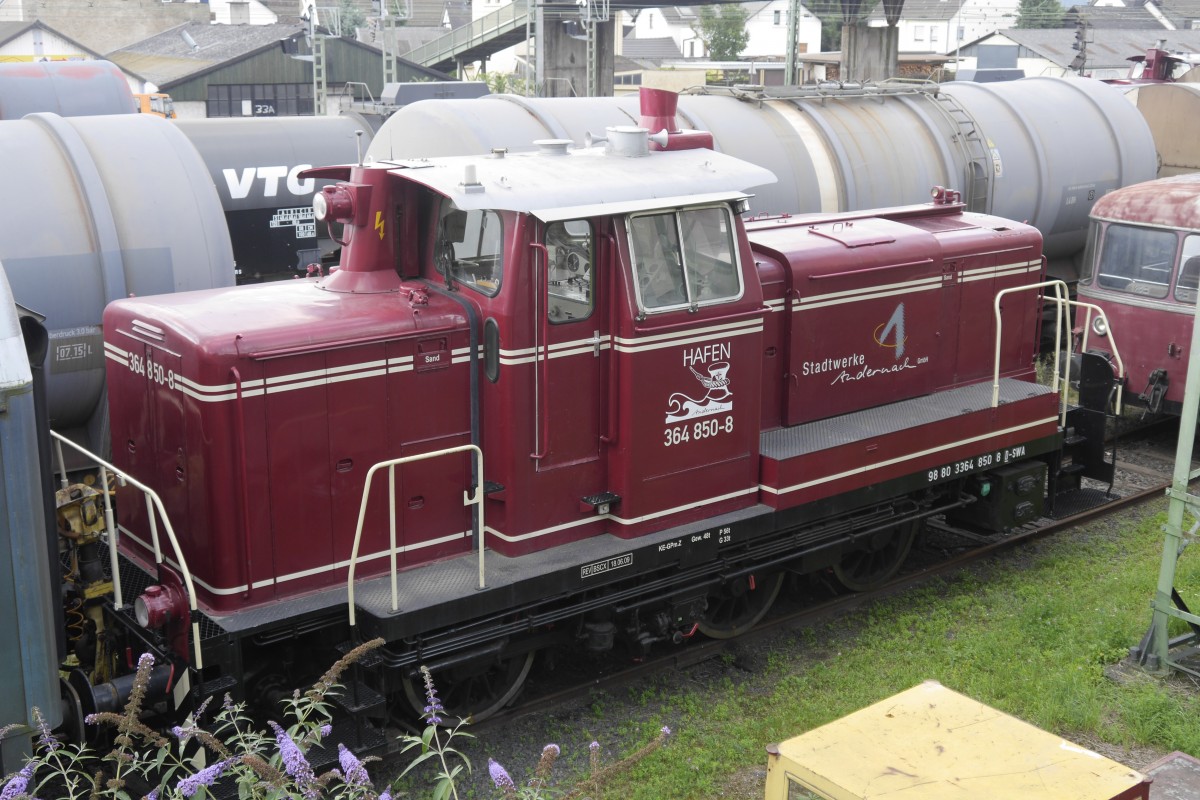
(469, 248)
(570, 279)
(685, 258)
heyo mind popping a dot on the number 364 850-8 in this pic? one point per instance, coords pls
(696, 431)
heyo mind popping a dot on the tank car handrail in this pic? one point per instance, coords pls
(153, 502)
(1063, 303)
(476, 500)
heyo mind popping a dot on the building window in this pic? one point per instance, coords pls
(918, 33)
(777, 17)
(932, 34)
(260, 100)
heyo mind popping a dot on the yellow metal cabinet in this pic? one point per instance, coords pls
(932, 743)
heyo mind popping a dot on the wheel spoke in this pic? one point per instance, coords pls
(475, 691)
(739, 605)
(869, 568)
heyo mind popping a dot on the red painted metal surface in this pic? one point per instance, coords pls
(257, 411)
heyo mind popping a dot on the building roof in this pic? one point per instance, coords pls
(679, 15)
(11, 30)
(1106, 49)
(922, 10)
(654, 49)
(1134, 16)
(169, 58)
(1181, 12)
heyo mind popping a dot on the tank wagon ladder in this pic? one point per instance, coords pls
(977, 175)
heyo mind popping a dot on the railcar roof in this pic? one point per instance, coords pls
(1167, 202)
(582, 183)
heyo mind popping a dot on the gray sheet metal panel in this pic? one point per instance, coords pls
(111, 206)
(67, 88)
(27, 638)
(1058, 145)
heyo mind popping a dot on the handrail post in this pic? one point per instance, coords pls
(1063, 304)
(153, 504)
(473, 499)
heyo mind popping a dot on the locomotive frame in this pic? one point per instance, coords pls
(495, 306)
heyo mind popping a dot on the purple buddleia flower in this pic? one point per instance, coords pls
(666, 731)
(152, 796)
(295, 763)
(18, 783)
(326, 730)
(45, 736)
(190, 785)
(387, 795)
(501, 778)
(353, 770)
(433, 709)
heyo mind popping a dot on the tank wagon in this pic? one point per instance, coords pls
(562, 398)
(1142, 267)
(255, 166)
(1001, 145)
(66, 88)
(110, 206)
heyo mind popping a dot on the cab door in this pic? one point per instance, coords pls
(573, 345)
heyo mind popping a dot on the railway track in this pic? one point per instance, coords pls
(1147, 455)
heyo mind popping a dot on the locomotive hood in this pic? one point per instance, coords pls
(278, 318)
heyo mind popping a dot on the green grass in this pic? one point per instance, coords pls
(1031, 637)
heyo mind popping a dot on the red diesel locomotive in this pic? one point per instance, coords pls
(632, 414)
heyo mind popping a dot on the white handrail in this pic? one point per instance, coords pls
(1063, 303)
(153, 503)
(391, 465)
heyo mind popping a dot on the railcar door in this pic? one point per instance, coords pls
(572, 346)
(688, 362)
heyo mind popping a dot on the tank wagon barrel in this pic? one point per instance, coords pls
(110, 206)
(255, 165)
(66, 88)
(1004, 146)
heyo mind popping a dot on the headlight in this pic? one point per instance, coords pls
(1100, 326)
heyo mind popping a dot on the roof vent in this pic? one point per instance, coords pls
(552, 147)
(627, 140)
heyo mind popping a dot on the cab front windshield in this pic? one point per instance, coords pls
(1145, 262)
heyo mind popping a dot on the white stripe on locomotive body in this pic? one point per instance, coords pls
(908, 457)
(308, 573)
(857, 295)
(776, 305)
(918, 285)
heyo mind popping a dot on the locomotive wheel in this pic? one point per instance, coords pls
(736, 607)
(868, 568)
(474, 691)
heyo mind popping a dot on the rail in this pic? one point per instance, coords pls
(476, 500)
(1063, 303)
(154, 509)
(491, 26)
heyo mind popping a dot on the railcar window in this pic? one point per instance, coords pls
(1137, 260)
(470, 248)
(570, 278)
(684, 259)
(1189, 270)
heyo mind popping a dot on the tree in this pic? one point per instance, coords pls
(722, 29)
(351, 17)
(1039, 14)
